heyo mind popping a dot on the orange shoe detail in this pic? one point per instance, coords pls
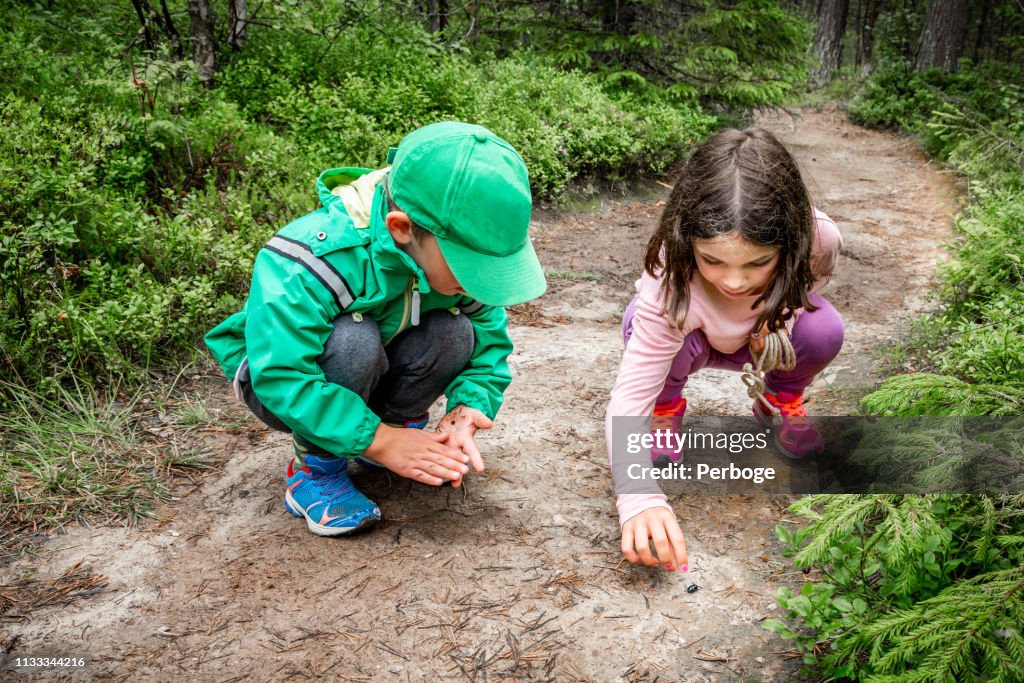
(668, 416)
(795, 437)
(675, 407)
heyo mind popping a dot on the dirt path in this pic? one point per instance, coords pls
(518, 575)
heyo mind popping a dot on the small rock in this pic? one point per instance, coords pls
(394, 669)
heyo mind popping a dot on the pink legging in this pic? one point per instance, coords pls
(817, 338)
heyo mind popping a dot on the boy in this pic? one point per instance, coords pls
(362, 313)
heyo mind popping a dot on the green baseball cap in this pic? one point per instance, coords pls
(470, 188)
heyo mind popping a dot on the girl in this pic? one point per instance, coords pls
(739, 252)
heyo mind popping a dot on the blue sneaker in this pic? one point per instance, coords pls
(322, 493)
(408, 424)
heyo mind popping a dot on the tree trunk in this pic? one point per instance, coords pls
(618, 16)
(868, 33)
(144, 13)
(983, 31)
(442, 15)
(437, 15)
(944, 34)
(203, 48)
(171, 31)
(861, 19)
(237, 11)
(431, 7)
(555, 10)
(828, 41)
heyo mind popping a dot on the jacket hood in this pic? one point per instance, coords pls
(350, 190)
(359, 194)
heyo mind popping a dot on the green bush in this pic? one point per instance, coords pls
(926, 588)
(101, 256)
(738, 55)
(127, 232)
(569, 127)
(974, 346)
(564, 123)
(932, 588)
(925, 393)
(983, 95)
(133, 201)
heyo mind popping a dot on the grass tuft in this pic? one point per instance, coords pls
(80, 457)
(575, 275)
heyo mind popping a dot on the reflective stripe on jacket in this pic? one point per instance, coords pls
(341, 259)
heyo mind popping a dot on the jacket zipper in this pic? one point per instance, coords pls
(410, 310)
(414, 314)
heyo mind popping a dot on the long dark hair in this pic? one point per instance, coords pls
(743, 181)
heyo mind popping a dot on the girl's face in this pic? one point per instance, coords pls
(736, 267)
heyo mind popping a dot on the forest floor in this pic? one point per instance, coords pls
(519, 573)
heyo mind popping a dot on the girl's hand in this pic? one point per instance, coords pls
(460, 425)
(757, 338)
(657, 525)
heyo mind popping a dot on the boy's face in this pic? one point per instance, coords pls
(425, 252)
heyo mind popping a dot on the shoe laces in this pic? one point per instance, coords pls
(334, 486)
(791, 408)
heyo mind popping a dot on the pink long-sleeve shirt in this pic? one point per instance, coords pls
(654, 343)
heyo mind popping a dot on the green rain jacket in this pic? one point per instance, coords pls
(341, 259)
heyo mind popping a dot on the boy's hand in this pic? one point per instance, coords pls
(660, 526)
(460, 425)
(418, 455)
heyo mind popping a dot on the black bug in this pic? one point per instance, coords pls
(692, 588)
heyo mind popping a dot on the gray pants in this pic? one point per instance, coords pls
(400, 382)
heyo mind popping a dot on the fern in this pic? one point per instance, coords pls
(929, 394)
(916, 588)
(969, 631)
(941, 454)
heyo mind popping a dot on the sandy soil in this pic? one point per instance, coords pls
(519, 574)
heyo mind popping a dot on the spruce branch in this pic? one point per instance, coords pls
(973, 623)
